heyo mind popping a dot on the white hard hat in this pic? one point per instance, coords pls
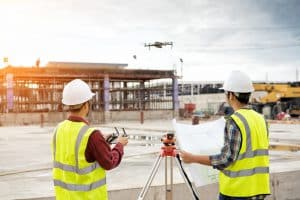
(238, 82)
(76, 92)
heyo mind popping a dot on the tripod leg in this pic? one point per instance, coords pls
(150, 178)
(193, 191)
(169, 183)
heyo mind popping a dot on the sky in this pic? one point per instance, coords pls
(212, 37)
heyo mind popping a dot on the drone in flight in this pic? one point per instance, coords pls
(158, 44)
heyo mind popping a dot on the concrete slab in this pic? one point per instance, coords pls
(25, 161)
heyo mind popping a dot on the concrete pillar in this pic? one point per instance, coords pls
(10, 92)
(165, 89)
(113, 96)
(142, 101)
(106, 97)
(99, 96)
(142, 95)
(175, 98)
(125, 96)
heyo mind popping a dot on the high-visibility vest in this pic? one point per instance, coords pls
(75, 178)
(249, 174)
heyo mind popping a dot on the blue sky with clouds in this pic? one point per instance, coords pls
(260, 37)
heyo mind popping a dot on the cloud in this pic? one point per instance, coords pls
(209, 35)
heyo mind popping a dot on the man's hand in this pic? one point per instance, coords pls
(186, 157)
(193, 158)
(106, 136)
(123, 140)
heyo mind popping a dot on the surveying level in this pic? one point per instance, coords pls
(168, 152)
(111, 139)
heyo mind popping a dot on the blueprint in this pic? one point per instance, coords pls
(205, 139)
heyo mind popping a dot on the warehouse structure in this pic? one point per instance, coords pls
(28, 92)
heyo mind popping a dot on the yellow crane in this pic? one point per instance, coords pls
(280, 97)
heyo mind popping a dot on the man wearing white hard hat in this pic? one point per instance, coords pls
(80, 153)
(244, 159)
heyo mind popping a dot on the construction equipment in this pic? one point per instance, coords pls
(281, 97)
(111, 139)
(168, 151)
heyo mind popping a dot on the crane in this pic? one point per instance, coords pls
(280, 97)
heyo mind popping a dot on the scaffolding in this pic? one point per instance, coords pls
(146, 95)
(39, 89)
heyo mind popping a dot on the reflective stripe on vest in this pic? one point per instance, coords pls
(76, 169)
(251, 154)
(246, 172)
(80, 187)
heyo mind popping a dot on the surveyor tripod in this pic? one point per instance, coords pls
(168, 152)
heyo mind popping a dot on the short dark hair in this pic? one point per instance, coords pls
(76, 108)
(242, 97)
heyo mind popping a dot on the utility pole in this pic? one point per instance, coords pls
(297, 74)
(181, 66)
(267, 77)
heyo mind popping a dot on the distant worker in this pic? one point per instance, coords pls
(244, 159)
(195, 120)
(80, 153)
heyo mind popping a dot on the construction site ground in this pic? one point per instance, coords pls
(26, 161)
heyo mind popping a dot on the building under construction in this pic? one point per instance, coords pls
(31, 93)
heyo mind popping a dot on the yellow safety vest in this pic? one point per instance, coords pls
(75, 178)
(249, 174)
